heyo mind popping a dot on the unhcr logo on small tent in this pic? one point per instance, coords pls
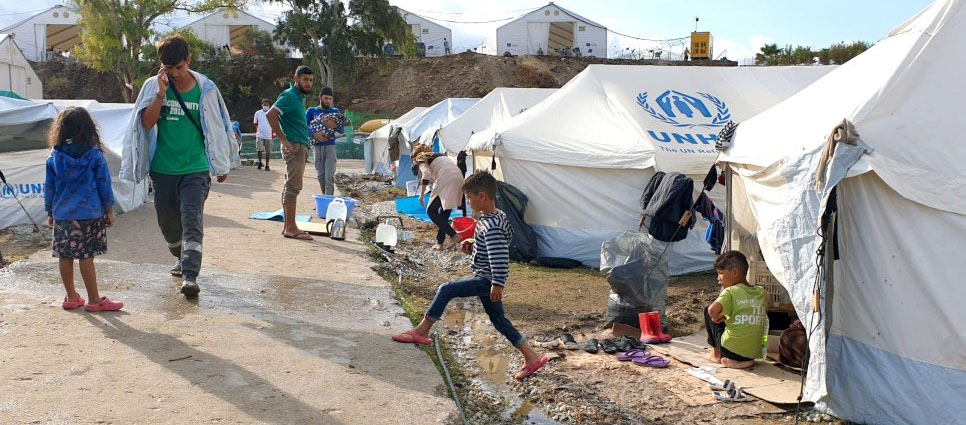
(22, 191)
(682, 110)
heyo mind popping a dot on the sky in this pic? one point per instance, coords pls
(739, 27)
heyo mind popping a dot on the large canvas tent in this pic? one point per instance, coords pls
(16, 74)
(377, 160)
(47, 34)
(889, 339)
(422, 129)
(436, 39)
(492, 110)
(584, 154)
(550, 30)
(228, 28)
(24, 152)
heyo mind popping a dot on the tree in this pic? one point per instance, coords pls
(113, 32)
(838, 53)
(321, 30)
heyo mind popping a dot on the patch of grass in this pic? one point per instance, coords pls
(386, 68)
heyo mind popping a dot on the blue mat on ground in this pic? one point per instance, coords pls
(279, 216)
(410, 206)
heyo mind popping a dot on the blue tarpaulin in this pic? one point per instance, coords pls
(410, 206)
(279, 216)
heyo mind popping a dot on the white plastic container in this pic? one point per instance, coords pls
(386, 235)
(412, 188)
(337, 210)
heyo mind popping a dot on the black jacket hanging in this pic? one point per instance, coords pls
(665, 199)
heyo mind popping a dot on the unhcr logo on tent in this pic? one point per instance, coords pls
(22, 191)
(682, 110)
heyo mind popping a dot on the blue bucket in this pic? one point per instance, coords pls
(322, 204)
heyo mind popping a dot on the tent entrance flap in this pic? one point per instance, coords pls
(561, 36)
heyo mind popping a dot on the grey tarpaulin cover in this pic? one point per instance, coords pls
(513, 202)
(636, 276)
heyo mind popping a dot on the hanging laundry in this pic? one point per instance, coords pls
(715, 234)
(666, 199)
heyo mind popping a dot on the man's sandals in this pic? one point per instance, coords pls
(302, 236)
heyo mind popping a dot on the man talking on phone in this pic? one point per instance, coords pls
(181, 135)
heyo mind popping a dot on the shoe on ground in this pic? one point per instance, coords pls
(176, 270)
(267, 169)
(259, 165)
(190, 289)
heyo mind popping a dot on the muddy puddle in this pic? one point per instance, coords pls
(490, 357)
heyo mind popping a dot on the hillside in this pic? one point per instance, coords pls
(384, 86)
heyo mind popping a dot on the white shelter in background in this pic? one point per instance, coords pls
(552, 30)
(46, 34)
(437, 39)
(16, 74)
(226, 28)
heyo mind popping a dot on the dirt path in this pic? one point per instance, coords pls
(543, 303)
(284, 331)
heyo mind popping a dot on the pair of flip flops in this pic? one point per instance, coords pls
(728, 392)
(643, 358)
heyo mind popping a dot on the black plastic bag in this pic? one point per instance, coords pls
(523, 246)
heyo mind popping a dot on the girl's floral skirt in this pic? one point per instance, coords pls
(80, 239)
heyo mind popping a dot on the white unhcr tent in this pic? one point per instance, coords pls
(422, 129)
(494, 109)
(584, 154)
(889, 340)
(24, 152)
(378, 161)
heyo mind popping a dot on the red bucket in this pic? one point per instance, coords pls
(464, 226)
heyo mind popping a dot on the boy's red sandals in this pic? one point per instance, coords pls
(105, 305)
(530, 368)
(411, 337)
(67, 305)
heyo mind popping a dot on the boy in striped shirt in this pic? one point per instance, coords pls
(490, 248)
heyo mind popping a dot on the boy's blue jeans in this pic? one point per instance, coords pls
(475, 287)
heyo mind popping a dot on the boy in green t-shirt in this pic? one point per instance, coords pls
(737, 320)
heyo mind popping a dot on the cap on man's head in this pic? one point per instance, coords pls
(326, 91)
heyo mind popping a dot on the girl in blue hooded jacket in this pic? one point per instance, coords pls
(79, 203)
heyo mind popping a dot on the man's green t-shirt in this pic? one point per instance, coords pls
(746, 320)
(291, 103)
(180, 149)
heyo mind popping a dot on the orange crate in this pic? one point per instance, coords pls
(759, 274)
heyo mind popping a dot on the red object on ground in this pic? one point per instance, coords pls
(655, 319)
(464, 227)
(648, 335)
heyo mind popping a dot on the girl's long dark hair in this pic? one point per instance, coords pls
(76, 124)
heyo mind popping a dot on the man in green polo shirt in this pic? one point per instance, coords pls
(287, 118)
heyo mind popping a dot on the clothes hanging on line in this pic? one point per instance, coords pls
(666, 199)
(715, 234)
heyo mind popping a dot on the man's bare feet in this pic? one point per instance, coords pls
(731, 364)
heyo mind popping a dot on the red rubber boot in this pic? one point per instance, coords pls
(648, 336)
(655, 319)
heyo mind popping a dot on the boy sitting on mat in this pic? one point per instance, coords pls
(491, 264)
(737, 320)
